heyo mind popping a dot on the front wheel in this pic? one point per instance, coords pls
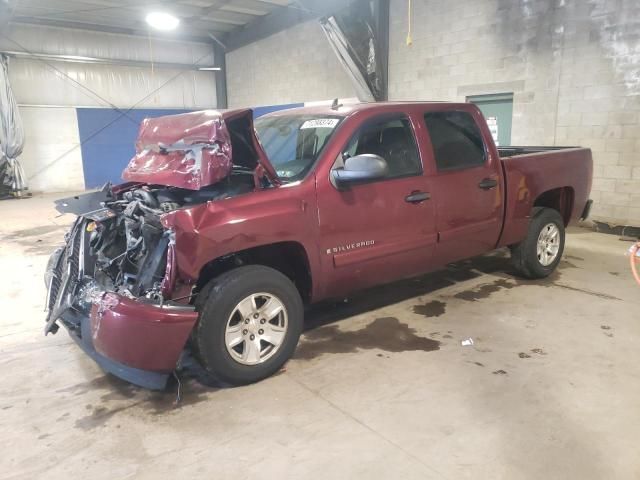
(249, 324)
(538, 255)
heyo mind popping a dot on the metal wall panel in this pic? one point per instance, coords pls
(38, 82)
(52, 159)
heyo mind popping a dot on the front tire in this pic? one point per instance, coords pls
(249, 324)
(538, 255)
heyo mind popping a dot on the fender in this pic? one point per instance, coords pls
(220, 228)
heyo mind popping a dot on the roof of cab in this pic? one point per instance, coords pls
(350, 108)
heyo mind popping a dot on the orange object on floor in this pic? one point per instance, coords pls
(634, 260)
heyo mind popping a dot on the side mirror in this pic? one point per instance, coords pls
(361, 168)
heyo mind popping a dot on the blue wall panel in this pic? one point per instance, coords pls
(108, 139)
(259, 111)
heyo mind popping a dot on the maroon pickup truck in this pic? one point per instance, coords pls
(226, 229)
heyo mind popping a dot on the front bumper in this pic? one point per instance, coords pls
(82, 336)
(138, 342)
(142, 335)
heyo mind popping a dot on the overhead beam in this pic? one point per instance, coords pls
(220, 75)
(281, 19)
(106, 29)
(381, 15)
(6, 12)
(46, 57)
(61, 8)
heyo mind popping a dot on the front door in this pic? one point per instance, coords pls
(468, 186)
(383, 230)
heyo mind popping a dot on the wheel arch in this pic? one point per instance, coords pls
(560, 199)
(289, 258)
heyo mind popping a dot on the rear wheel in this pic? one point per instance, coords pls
(538, 255)
(249, 324)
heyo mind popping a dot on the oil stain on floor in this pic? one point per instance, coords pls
(41, 240)
(435, 308)
(607, 330)
(119, 396)
(484, 291)
(385, 333)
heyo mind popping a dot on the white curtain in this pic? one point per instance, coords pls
(12, 179)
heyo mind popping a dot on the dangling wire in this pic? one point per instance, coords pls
(178, 398)
(409, 38)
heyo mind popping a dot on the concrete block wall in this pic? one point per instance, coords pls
(572, 65)
(295, 65)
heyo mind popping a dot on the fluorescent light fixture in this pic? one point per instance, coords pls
(162, 20)
(209, 69)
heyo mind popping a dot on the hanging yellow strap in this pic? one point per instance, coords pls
(409, 39)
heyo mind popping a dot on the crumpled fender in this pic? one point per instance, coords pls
(215, 229)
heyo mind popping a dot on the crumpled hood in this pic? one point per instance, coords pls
(194, 150)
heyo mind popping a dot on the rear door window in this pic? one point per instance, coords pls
(456, 139)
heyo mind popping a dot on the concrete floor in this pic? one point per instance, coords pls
(380, 388)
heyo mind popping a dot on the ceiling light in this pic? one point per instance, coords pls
(209, 69)
(162, 20)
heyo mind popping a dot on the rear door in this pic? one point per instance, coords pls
(468, 191)
(383, 230)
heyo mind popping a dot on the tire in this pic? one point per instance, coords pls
(525, 255)
(220, 316)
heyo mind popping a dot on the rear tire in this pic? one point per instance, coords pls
(538, 255)
(235, 340)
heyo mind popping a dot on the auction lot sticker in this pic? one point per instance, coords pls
(320, 123)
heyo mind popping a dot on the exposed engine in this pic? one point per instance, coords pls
(129, 246)
(127, 243)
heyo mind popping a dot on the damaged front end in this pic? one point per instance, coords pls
(111, 285)
(114, 283)
(119, 246)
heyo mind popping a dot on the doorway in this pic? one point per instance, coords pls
(498, 110)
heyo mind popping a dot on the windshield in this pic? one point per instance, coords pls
(294, 142)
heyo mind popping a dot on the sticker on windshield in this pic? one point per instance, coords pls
(320, 123)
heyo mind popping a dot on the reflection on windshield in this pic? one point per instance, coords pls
(294, 142)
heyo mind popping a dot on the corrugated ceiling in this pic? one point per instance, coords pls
(198, 18)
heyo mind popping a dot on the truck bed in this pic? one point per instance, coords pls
(541, 174)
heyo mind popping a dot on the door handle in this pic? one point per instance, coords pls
(488, 183)
(417, 197)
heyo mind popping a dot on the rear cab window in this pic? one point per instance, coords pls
(456, 139)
